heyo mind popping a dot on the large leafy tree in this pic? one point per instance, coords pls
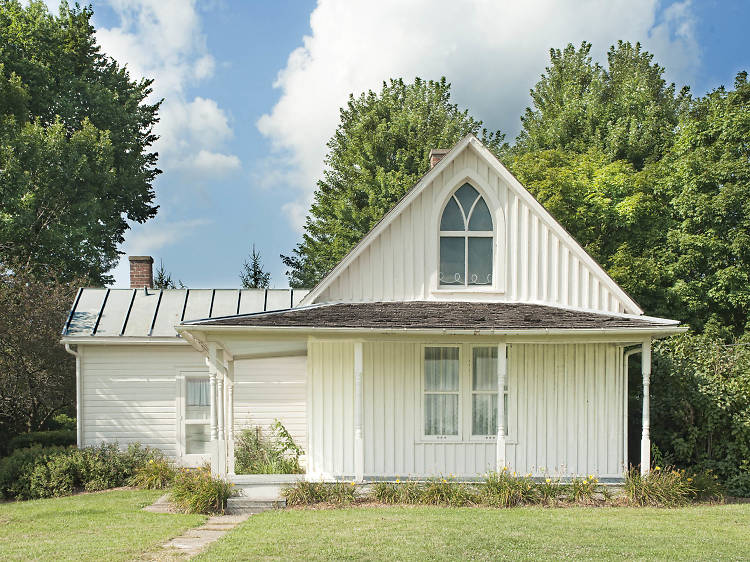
(627, 110)
(379, 151)
(75, 138)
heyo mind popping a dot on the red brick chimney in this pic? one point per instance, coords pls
(141, 272)
(436, 154)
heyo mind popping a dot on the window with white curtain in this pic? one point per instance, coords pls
(484, 392)
(441, 391)
(466, 240)
(452, 386)
(197, 412)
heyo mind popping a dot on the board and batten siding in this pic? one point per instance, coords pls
(272, 389)
(534, 263)
(129, 393)
(566, 413)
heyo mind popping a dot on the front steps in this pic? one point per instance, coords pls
(243, 505)
(256, 493)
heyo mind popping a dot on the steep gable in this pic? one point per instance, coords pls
(535, 259)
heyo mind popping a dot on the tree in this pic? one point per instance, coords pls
(627, 110)
(163, 279)
(252, 275)
(37, 378)
(75, 134)
(709, 178)
(378, 152)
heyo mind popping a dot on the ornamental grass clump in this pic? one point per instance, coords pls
(583, 490)
(445, 491)
(156, 474)
(311, 493)
(659, 488)
(503, 489)
(408, 492)
(196, 490)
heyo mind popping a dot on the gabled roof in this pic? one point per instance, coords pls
(426, 315)
(515, 185)
(153, 313)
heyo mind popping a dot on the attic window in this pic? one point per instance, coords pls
(466, 240)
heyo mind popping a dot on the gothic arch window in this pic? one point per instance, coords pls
(466, 240)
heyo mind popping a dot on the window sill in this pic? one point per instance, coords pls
(470, 289)
(460, 441)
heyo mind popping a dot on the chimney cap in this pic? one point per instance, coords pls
(439, 152)
(147, 259)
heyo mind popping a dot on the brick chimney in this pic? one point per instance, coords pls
(141, 272)
(436, 154)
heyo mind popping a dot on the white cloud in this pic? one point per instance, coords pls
(214, 163)
(164, 40)
(491, 52)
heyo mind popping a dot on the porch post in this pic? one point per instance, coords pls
(502, 377)
(212, 372)
(221, 445)
(646, 421)
(230, 416)
(359, 451)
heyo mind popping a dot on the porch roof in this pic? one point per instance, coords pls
(431, 315)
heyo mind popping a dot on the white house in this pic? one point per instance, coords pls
(393, 365)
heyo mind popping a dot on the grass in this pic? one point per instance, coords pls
(99, 526)
(716, 532)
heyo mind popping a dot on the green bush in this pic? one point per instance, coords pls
(659, 488)
(409, 492)
(310, 493)
(16, 469)
(582, 490)
(257, 453)
(739, 485)
(156, 474)
(705, 485)
(56, 438)
(445, 491)
(198, 491)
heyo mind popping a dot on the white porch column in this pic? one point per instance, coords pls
(230, 416)
(502, 377)
(212, 375)
(646, 420)
(359, 450)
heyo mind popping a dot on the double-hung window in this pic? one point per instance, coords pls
(197, 412)
(460, 381)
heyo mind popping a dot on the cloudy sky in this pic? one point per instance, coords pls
(252, 91)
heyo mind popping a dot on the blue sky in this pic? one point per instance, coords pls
(252, 91)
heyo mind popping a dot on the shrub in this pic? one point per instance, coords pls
(705, 485)
(198, 491)
(739, 485)
(156, 474)
(16, 469)
(658, 488)
(310, 493)
(277, 453)
(56, 438)
(409, 492)
(502, 489)
(550, 490)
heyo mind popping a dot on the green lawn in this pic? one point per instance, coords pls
(427, 533)
(102, 526)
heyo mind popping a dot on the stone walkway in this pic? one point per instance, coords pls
(193, 541)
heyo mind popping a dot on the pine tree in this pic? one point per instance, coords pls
(252, 275)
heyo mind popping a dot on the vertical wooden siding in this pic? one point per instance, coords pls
(535, 264)
(565, 413)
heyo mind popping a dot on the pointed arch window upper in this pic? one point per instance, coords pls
(466, 240)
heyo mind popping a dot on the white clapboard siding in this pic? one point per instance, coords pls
(269, 389)
(534, 261)
(128, 393)
(565, 413)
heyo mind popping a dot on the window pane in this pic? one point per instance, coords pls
(466, 195)
(452, 260)
(484, 368)
(198, 392)
(480, 261)
(484, 414)
(452, 218)
(440, 369)
(197, 438)
(441, 414)
(480, 219)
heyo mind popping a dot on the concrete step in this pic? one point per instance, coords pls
(240, 504)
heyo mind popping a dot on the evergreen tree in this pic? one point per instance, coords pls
(252, 275)
(379, 151)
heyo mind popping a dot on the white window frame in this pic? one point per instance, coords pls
(185, 458)
(466, 234)
(472, 392)
(465, 394)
